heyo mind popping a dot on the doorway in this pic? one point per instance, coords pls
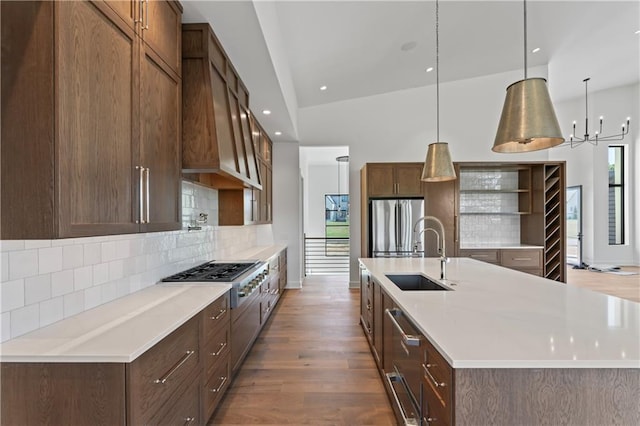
(574, 226)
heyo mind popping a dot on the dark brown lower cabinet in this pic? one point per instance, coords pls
(163, 386)
(500, 396)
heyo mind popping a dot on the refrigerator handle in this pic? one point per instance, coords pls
(397, 223)
(400, 228)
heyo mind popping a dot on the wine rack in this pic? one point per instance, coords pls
(554, 206)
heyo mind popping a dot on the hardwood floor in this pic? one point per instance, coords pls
(310, 365)
(623, 286)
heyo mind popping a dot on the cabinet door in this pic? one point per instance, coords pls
(407, 178)
(96, 101)
(160, 121)
(440, 201)
(380, 180)
(161, 28)
(126, 9)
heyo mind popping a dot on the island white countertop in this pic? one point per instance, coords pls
(501, 318)
(118, 331)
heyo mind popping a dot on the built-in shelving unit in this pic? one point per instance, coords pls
(495, 190)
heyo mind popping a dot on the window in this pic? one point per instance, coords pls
(616, 194)
(336, 216)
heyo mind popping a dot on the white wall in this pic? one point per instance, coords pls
(587, 165)
(398, 126)
(287, 207)
(321, 180)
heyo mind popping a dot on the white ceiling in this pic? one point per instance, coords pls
(285, 50)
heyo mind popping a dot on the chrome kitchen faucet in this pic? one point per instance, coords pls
(440, 238)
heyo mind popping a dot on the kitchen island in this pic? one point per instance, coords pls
(520, 349)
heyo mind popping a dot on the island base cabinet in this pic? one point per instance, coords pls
(63, 394)
(577, 396)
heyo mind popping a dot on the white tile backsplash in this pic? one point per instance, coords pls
(23, 264)
(49, 260)
(72, 256)
(51, 310)
(37, 289)
(24, 320)
(62, 283)
(12, 295)
(60, 278)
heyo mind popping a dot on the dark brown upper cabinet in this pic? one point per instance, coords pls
(90, 122)
(217, 147)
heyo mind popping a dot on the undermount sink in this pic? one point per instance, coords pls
(415, 282)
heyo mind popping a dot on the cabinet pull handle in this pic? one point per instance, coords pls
(521, 258)
(189, 420)
(408, 339)
(479, 255)
(222, 346)
(147, 193)
(433, 380)
(222, 312)
(184, 359)
(224, 380)
(431, 420)
(391, 378)
(140, 15)
(141, 196)
(145, 25)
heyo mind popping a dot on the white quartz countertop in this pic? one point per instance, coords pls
(501, 318)
(118, 331)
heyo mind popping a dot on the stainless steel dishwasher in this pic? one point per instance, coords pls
(404, 379)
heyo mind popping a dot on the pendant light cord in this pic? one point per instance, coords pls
(525, 39)
(437, 74)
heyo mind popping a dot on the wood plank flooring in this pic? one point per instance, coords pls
(623, 286)
(310, 365)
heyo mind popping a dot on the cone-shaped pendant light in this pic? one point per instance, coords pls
(528, 121)
(438, 166)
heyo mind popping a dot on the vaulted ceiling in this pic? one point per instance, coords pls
(286, 50)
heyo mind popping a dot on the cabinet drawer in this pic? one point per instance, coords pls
(216, 349)
(215, 386)
(158, 373)
(185, 410)
(521, 258)
(215, 317)
(437, 374)
(433, 411)
(488, 255)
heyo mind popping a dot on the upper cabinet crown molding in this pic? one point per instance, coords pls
(217, 135)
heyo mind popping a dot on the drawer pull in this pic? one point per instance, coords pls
(479, 255)
(217, 317)
(368, 306)
(189, 420)
(433, 380)
(224, 380)
(222, 346)
(184, 359)
(521, 258)
(408, 339)
(430, 420)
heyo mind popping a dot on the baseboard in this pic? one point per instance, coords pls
(354, 284)
(293, 285)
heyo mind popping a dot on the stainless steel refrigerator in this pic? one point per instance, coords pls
(391, 226)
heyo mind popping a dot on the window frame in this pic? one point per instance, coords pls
(622, 188)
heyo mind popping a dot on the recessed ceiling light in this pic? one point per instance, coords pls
(266, 112)
(278, 133)
(536, 50)
(323, 87)
(408, 46)
(638, 32)
(429, 69)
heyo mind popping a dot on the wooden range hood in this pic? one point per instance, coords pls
(218, 147)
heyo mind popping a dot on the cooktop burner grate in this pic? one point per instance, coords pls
(212, 271)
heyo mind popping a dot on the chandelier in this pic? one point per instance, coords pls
(575, 141)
